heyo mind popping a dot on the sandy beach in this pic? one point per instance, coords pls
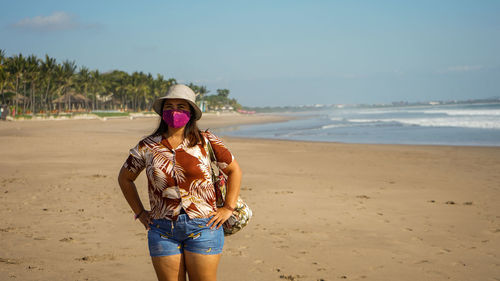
(322, 211)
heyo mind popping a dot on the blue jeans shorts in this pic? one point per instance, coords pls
(166, 237)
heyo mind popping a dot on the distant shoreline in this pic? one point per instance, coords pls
(319, 107)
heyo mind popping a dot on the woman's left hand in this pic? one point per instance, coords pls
(219, 217)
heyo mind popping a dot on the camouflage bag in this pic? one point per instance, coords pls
(242, 213)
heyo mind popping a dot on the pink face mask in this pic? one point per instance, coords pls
(176, 118)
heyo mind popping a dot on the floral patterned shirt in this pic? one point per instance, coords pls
(178, 178)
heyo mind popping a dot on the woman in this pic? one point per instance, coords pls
(184, 224)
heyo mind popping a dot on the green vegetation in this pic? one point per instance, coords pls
(24, 116)
(111, 114)
(221, 101)
(30, 85)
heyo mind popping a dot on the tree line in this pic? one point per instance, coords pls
(29, 85)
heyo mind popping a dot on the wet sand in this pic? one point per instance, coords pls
(322, 211)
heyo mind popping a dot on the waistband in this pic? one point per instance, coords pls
(182, 218)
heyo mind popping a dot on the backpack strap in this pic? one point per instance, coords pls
(208, 146)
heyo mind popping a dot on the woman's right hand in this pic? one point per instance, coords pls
(145, 219)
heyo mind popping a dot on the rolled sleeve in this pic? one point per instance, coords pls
(135, 162)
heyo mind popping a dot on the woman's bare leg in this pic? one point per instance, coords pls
(201, 267)
(170, 268)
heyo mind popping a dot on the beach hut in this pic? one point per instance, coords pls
(14, 98)
(108, 102)
(72, 101)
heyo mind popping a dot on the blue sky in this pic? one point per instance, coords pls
(276, 52)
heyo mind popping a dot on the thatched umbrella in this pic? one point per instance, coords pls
(72, 99)
(15, 97)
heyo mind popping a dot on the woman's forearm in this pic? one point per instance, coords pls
(233, 188)
(129, 190)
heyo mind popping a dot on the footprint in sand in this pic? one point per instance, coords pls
(291, 277)
(31, 267)
(444, 251)
(66, 239)
(97, 258)
(458, 263)
(283, 192)
(6, 181)
(8, 229)
(10, 261)
(234, 252)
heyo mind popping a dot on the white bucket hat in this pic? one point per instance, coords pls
(178, 91)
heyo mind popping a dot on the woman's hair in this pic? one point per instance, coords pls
(191, 131)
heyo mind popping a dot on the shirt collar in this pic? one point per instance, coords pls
(183, 145)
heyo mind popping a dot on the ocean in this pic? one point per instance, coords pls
(464, 124)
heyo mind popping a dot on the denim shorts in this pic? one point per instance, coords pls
(166, 237)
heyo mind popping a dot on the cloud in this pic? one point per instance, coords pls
(56, 21)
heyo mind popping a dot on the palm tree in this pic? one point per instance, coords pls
(202, 91)
(17, 67)
(223, 93)
(32, 75)
(48, 68)
(67, 74)
(3, 73)
(38, 82)
(83, 80)
(117, 83)
(159, 86)
(95, 82)
(149, 94)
